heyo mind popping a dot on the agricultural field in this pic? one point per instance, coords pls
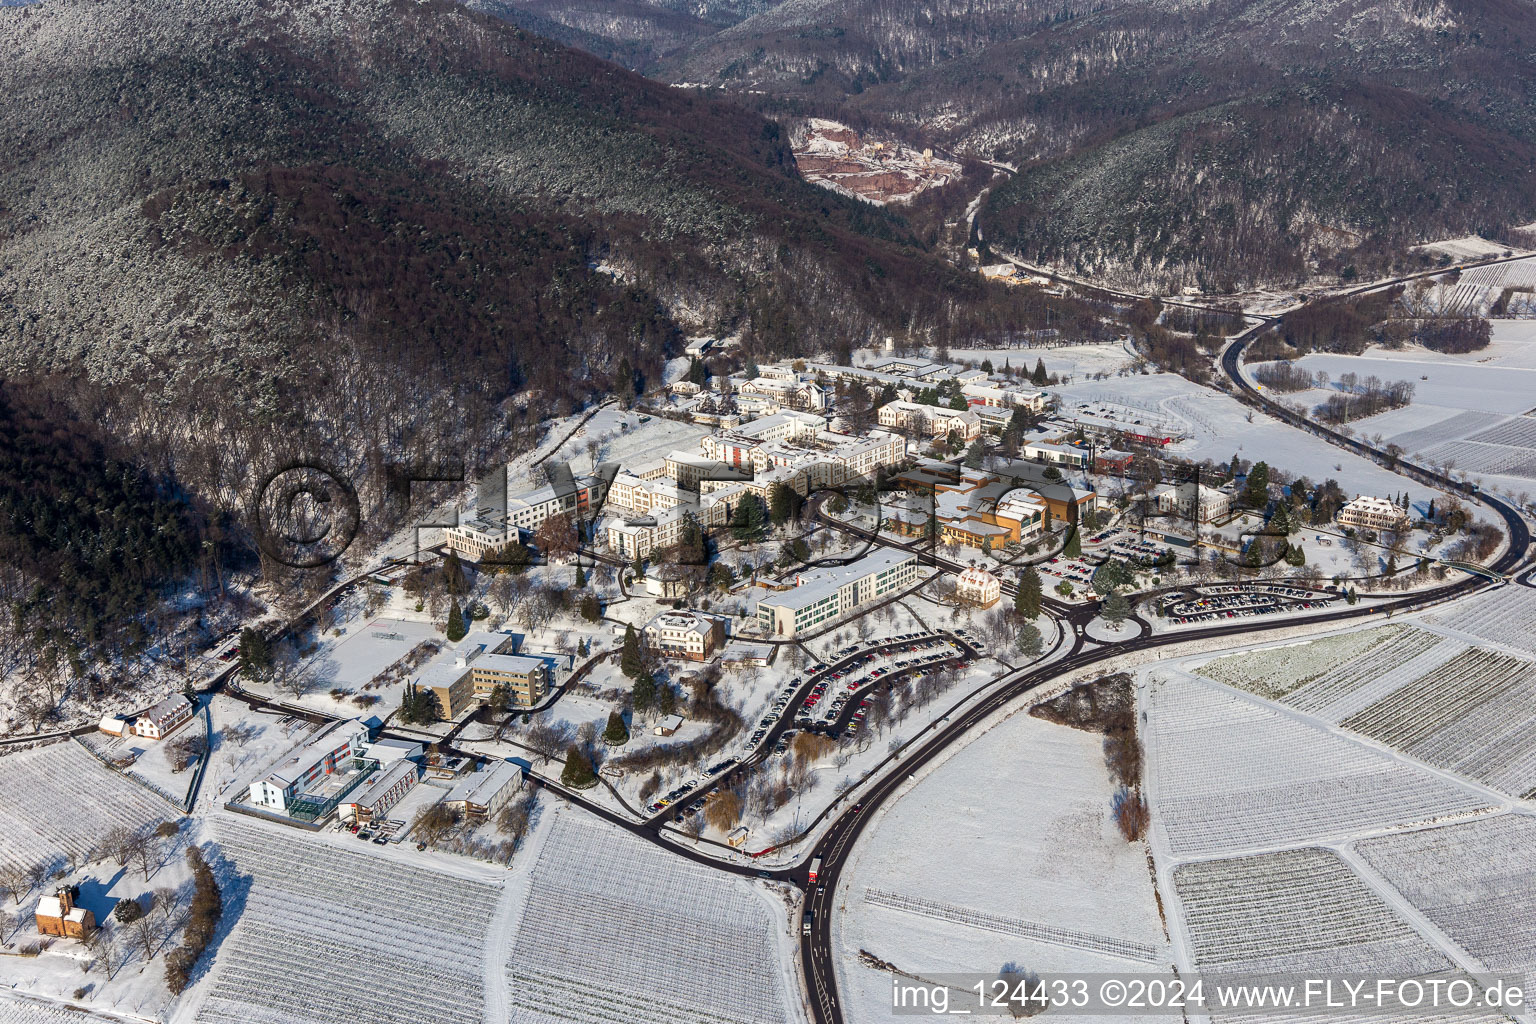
(58, 801)
(324, 926)
(616, 929)
(1229, 773)
(1506, 617)
(1359, 682)
(1474, 715)
(1293, 912)
(1214, 425)
(956, 876)
(20, 1010)
(1475, 881)
(1273, 672)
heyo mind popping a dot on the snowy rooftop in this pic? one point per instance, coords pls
(330, 737)
(820, 583)
(480, 787)
(381, 782)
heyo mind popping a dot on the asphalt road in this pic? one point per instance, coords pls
(818, 958)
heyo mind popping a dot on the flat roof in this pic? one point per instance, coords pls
(293, 767)
(822, 583)
(381, 781)
(479, 787)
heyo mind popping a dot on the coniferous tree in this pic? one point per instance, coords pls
(630, 662)
(1039, 378)
(578, 773)
(615, 734)
(643, 694)
(455, 630)
(1074, 546)
(1116, 608)
(749, 519)
(1029, 598)
(1256, 488)
(255, 654)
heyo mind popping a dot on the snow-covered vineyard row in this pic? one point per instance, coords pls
(1478, 458)
(1274, 672)
(59, 799)
(1230, 773)
(1463, 424)
(1369, 677)
(1295, 911)
(19, 1010)
(616, 929)
(1123, 949)
(1475, 716)
(323, 926)
(1475, 881)
(1517, 431)
(1507, 616)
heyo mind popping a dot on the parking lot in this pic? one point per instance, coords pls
(1233, 601)
(830, 699)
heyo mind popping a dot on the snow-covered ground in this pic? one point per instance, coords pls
(1471, 410)
(325, 922)
(58, 801)
(1016, 827)
(1067, 362)
(1216, 426)
(1233, 774)
(1347, 803)
(615, 929)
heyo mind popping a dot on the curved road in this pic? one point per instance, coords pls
(818, 958)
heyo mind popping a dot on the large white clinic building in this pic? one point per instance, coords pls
(821, 595)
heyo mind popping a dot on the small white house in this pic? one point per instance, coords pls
(669, 725)
(162, 719)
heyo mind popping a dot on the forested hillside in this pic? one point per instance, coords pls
(1169, 144)
(237, 233)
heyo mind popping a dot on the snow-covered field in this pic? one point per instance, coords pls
(58, 801)
(1068, 362)
(1466, 709)
(15, 1009)
(1003, 853)
(1216, 426)
(1229, 773)
(1468, 410)
(1293, 912)
(1475, 881)
(322, 926)
(1506, 617)
(1274, 672)
(615, 929)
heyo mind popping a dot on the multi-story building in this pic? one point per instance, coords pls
(1005, 396)
(690, 635)
(933, 420)
(1193, 501)
(468, 672)
(979, 587)
(484, 793)
(490, 525)
(821, 595)
(1056, 453)
(384, 789)
(163, 719)
(326, 753)
(1371, 513)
